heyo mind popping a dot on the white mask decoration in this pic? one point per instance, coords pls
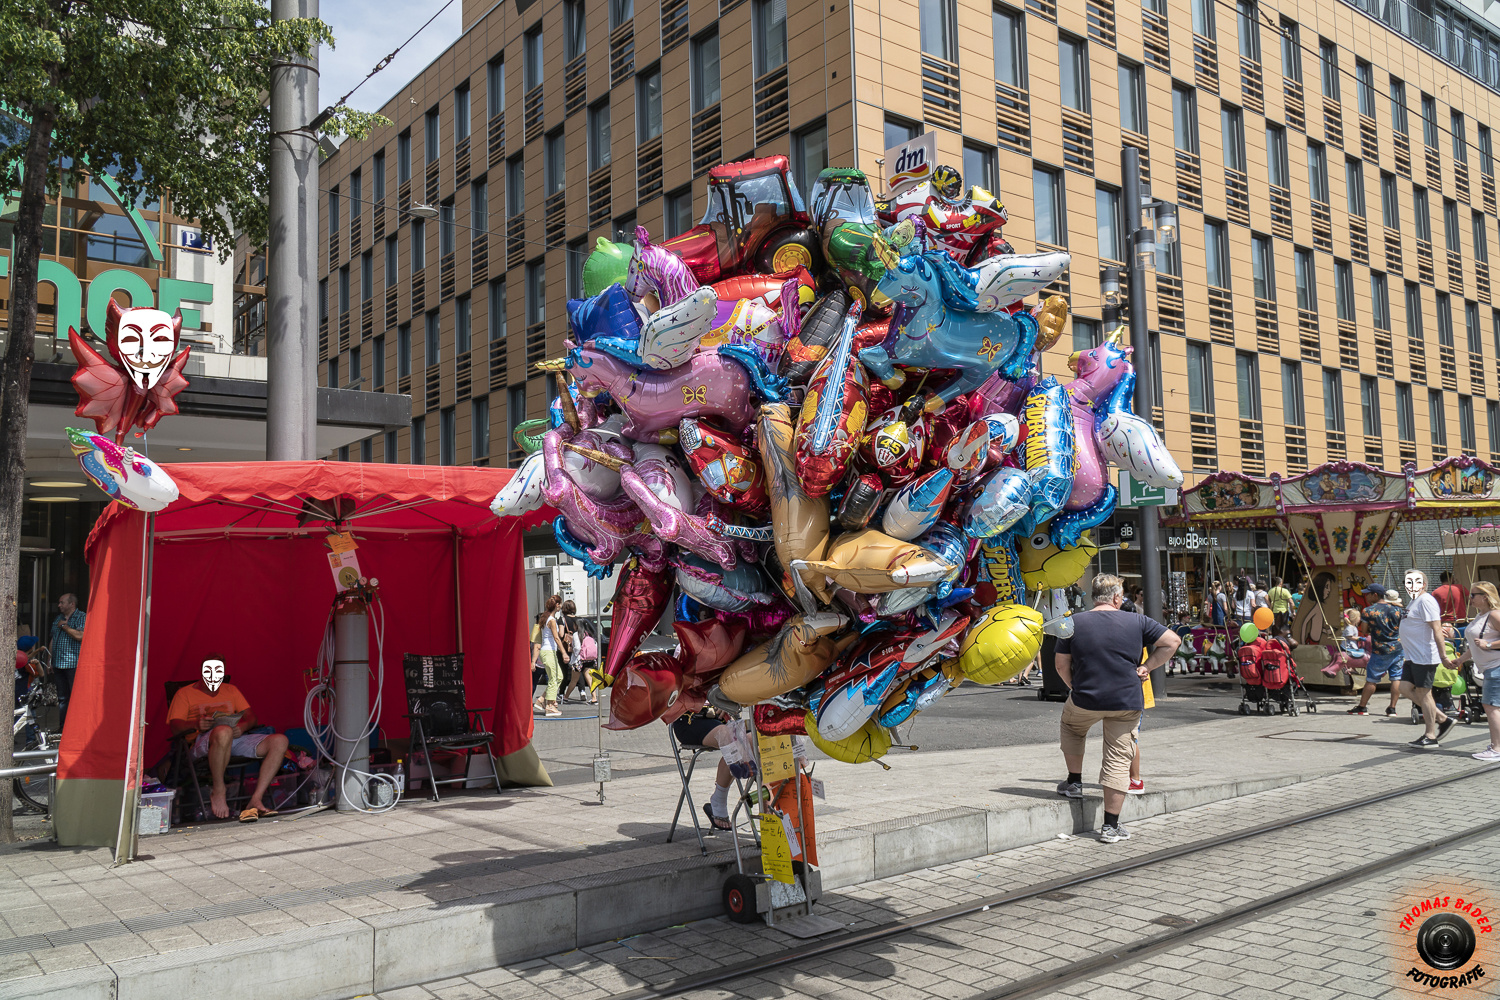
(144, 340)
(213, 675)
(1416, 582)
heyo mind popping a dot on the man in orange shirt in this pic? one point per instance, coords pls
(221, 716)
(1453, 600)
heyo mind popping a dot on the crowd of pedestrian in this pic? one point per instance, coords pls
(563, 653)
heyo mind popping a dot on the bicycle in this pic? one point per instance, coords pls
(33, 731)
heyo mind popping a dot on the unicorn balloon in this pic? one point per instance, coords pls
(122, 473)
(1131, 442)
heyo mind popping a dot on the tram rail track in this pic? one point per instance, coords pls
(1050, 981)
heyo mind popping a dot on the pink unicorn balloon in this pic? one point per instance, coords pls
(1098, 371)
(708, 385)
(661, 488)
(609, 527)
(658, 271)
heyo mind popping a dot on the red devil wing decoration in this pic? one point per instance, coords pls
(161, 401)
(103, 391)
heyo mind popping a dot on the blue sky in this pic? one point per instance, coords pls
(366, 30)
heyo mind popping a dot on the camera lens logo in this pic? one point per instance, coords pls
(1445, 942)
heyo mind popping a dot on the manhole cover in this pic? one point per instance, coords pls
(1057, 897)
(1309, 736)
(1173, 920)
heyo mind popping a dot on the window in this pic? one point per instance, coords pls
(1200, 375)
(461, 112)
(1111, 228)
(447, 228)
(515, 186)
(418, 244)
(1291, 51)
(1203, 18)
(1216, 253)
(1328, 64)
(1460, 137)
(531, 62)
(343, 289)
(1307, 280)
(979, 166)
(554, 169)
(625, 228)
(515, 415)
(333, 373)
(1292, 411)
(377, 177)
(648, 104)
(1437, 421)
(809, 155)
(447, 436)
(1406, 421)
(367, 450)
(1343, 289)
(1390, 202)
(1333, 400)
(1444, 311)
(599, 136)
(1369, 405)
(1486, 152)
(463, 325)
(367, 276)
(1354, 186)
(377, 363)
(1495, 320)
(1380, 301)
(536, 293)
(939, 28)
(1398, 106)
(705, 71)
(1263, 265)
(1492, 418)
(1317, 171)
(679, 212)
(770, 35)
(1452, 236)
(430, 136)
(1009, 30)
(495, 87)
(1047, 192)
(498, 307)
(1247, 378)
(1132, 98)
(1472, 331)
(1169, 258)
(1232, 122)
(1429, 122)
(479, 426)
(479, 207)
(356, 367)
(1276, 158)
(1249, 25)
(1085, 334)
(433, 339)
(1073, 72)
(356, 194)
(575, 258)
(403, 157)
(403, 350)
(392, 262)
(1364, 76)
(333, 210)
(1419, 214)
(575, 30)
(1414, 331)
(1185, 118)
(620, 11)
(899, 131)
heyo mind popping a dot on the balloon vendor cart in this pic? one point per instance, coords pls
(1336, 520)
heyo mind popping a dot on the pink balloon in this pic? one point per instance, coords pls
(708, 385)
(609, 526)
(1098, 371)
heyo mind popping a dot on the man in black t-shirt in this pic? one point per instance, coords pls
(1101, 662)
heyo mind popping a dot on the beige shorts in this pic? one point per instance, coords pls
(1119, 740)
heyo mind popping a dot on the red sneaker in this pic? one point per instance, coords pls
(1137, 787)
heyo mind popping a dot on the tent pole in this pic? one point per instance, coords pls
(127, 831)
(458, 596)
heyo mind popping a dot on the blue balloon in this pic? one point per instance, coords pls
(1004, 499)
(1069, 526)
(570, 544)
(951, 546)
(608, 314)
(1051, 459)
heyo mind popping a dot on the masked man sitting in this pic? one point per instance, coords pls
(223, 718)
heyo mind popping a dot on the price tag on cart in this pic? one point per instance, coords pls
(775, 848)
(777, 761)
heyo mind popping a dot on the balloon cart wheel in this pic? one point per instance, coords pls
(739, 899)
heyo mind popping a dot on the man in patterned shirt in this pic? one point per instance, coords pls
(1383, 619)
(67, 639)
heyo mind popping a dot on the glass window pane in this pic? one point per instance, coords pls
(1073, 71)
(770, 35)
(1249, 29)
(1185, 119)
(1010, 48)
(1047, 193)
(648, 105)
(1107, 211)
(938, 19)
(1333, 400)
(1132, 98)
(705, 71)
(1291, 394)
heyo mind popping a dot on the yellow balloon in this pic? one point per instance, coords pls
(1045, 567)
(870, 743)
(999, 645)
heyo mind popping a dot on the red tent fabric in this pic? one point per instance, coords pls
(235, 574)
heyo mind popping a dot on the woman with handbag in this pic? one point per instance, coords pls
(1482, 646)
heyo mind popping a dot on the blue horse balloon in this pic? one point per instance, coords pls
(937, 325)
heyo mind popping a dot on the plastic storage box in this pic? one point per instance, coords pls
(156, 812)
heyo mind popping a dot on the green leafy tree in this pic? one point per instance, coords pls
(169, 95)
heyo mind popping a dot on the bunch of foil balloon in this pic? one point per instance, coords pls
(846, 479)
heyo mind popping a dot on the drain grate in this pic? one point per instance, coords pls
(1057, 897)
(1173, 920)
(1313, 736)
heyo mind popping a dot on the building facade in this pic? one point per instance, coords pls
(1319, 153)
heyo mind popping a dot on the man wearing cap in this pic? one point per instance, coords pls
(1383, 619)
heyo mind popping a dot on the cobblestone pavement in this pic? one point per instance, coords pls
(1341, 943)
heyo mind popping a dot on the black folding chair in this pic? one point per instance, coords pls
(686, 774)
(440, 716)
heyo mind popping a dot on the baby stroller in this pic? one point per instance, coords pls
(1279, 686)
(1467, 708)
(1252, 688)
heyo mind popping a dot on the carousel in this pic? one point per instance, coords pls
(1335, 521)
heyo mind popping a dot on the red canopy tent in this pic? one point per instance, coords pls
(238, 567)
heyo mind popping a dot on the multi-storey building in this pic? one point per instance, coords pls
(1333, 164)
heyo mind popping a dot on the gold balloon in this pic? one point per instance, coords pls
(870, 743)
(1001, 644)
(800, 521)
(794, 656)
(872, 562)
(1051, 320)
(1049, 567)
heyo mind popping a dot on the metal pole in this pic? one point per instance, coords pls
(1145, 366)
(292, 253)
(351, 713)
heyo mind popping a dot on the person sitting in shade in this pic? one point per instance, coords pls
(223, 718)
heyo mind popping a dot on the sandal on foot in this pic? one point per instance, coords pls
(249, 815)
(717, 822)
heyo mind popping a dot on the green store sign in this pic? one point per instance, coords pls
(171, 294)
